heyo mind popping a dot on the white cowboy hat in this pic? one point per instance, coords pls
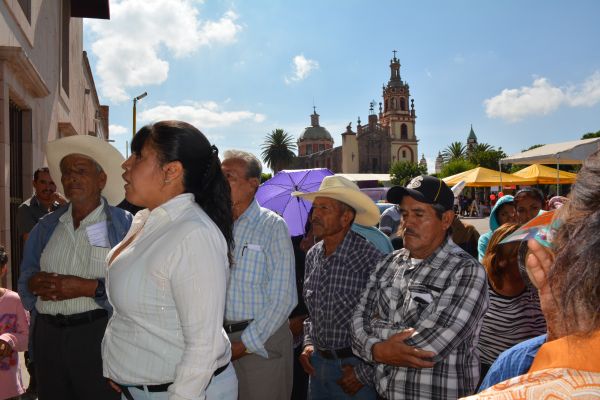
(109, 158)
(346, 191)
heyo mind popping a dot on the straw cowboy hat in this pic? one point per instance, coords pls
(346, 191)
(109, 158)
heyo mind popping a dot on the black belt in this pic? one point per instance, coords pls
(339, 353)
(162, 387)
(64, 321)
(236, 327)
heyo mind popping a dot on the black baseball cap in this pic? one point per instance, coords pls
(425, 189)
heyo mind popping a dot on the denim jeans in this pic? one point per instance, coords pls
(221, 387)
(323, 386)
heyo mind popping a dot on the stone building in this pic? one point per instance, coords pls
(46, 91)
(388, 136)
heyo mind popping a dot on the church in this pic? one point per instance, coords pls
(387, 137)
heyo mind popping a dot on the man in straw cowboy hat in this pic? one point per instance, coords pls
(420, 316)
(63, 269)
(337, 269)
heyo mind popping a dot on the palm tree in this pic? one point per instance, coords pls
(454, 151)
(278, 150)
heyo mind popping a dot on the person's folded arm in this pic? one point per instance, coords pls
(460, 308)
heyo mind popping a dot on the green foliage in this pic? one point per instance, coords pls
(402, 172)
(265, 177)
(535, 146)
(591, 135)
(455, 167)
(485, 155)
(278, 150)
(455, 150)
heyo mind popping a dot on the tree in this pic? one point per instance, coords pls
(455, 167)
(485, 155)
(535, 146)
(454, 151)
(278, 150)
(401, 172)
(591, 135)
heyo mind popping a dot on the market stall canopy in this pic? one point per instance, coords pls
(366, 177)
(545, 175)
(556, 153)
(484, 177)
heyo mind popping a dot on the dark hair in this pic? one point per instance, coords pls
(38, 171)
(532, 192)
(180, 141)
(492, 257)
(3, 256)
(575, 276)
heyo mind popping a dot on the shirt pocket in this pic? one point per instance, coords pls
(251, 268)
(420, 303)
(98, 264)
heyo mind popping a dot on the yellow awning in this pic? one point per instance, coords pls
(484, 177)
(546, 175)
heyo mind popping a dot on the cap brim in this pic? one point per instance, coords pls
(109, 158)
(396, 193)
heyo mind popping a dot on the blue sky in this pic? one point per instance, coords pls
(522, 72)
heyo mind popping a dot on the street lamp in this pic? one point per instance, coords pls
(135, 100)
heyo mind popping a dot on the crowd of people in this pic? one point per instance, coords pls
(189, 289)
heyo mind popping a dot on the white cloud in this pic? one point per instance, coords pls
(302, 66)
(117, 130)
(200, 114)
(542, 98)
(130, 47)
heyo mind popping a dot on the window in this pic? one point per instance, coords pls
(403, 131)
(321, 147)
(374, 164)
(403, 153)
(308, 149)
(315, 147)
(402, 104)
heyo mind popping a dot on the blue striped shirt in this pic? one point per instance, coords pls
(262, 284)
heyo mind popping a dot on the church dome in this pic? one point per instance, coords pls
(315, 131)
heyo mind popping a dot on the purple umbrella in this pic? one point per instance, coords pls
(276, 195)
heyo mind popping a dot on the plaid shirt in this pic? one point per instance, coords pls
(262, 283)
(444, 298)
(332, 288)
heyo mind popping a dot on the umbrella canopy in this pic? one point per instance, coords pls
(545, 175)
(556, 153)
(483, 177)
(275, 194)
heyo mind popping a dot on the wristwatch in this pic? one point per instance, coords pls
(100, 289)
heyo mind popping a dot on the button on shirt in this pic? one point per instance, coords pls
(444, 298)
(168, 291)
(69, 252)
(262, 286)
(332, 288)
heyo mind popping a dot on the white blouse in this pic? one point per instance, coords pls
(168, 292)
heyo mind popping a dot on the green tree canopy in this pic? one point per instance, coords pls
(455, 150)
(485, 155)
(455, 167)
(401, 172)
(278, 150)
(591, 135)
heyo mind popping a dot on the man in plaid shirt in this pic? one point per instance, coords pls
(336, 272)
(420, 315)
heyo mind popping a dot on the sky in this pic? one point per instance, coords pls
(521, 72)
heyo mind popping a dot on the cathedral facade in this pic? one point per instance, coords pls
(387, 137)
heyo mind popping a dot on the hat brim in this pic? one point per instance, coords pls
(109, 158)
(367, 213)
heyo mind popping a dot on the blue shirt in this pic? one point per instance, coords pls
(375, 236)
(513, 362)
(262, 284)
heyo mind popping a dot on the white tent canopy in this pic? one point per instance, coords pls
(367, 177)
(556, 153)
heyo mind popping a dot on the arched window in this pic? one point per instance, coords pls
(385, 107)
(403, 153)
(402, 104)
(403, 132)
(393, 103)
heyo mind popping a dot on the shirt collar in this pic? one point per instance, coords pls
(172, 208)
(438, 257)
(344, 248)
(576, 352)
(251, 212)
(67, 217)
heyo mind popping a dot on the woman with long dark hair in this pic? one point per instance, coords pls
(167, 279)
